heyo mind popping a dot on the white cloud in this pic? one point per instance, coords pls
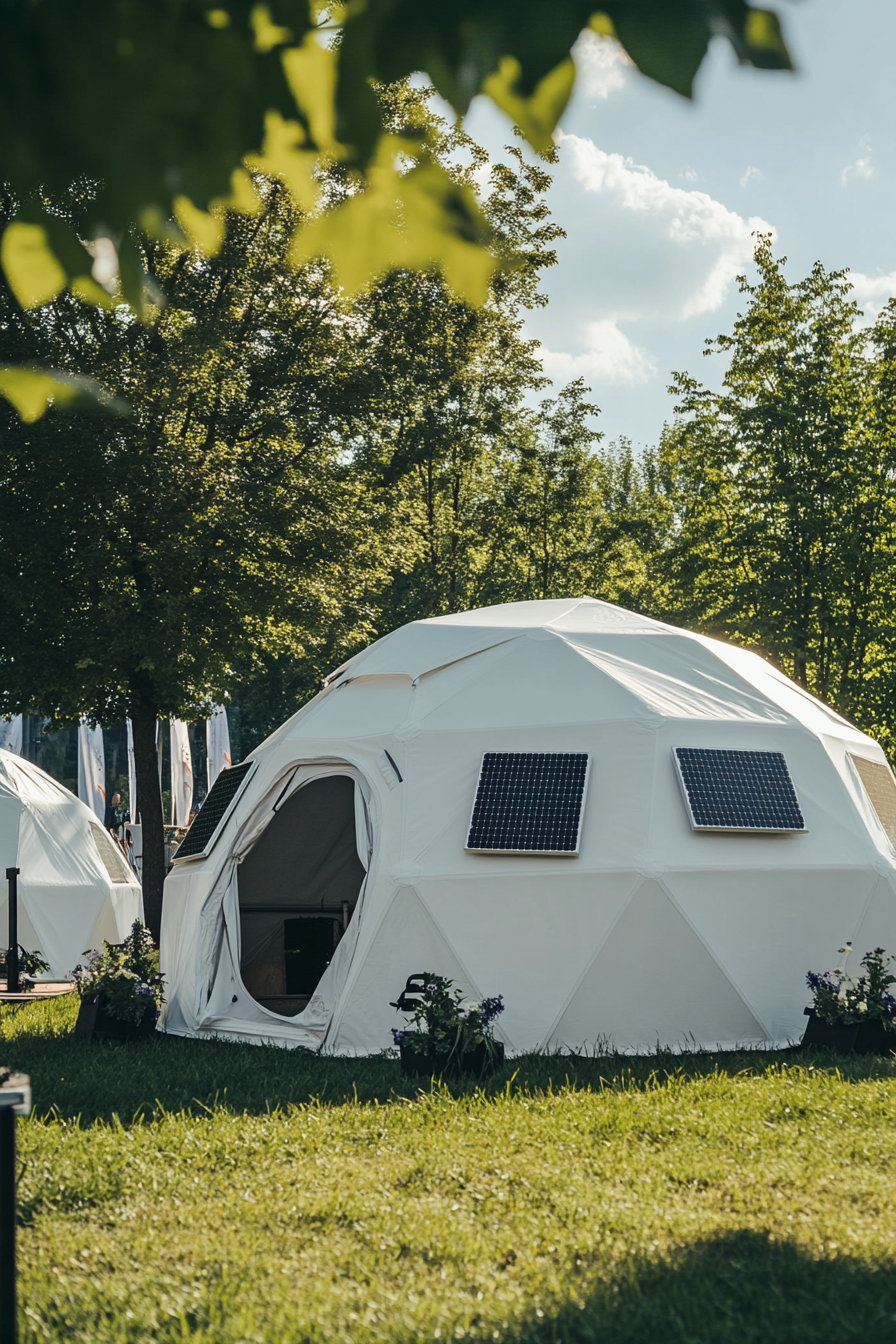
(601, 64)
(690, 175)
(861, 167)
(873, 291)
(691, 243)
(751, 175)
(610, 357)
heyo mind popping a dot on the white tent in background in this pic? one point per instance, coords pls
(181, 773)
(92, 769)
(217, 741)
(345, 862)
(75, 888)
(11, 734)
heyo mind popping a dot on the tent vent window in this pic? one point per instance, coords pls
(738, 790)
(109, 855)
(298, 887)
(529, 802)
(878, 782)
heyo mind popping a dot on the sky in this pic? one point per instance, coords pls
(660, 198)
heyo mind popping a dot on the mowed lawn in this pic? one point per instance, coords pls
(185, 1190)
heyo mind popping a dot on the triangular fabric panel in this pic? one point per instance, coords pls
(405, 943)
(653, 980)
(529, 949)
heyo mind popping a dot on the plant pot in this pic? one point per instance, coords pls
(859, 1038)
(478, 1061)
(96, 1024)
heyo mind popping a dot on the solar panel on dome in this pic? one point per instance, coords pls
(211, 816)
(529, 802)
(738, 790)
(878, 782)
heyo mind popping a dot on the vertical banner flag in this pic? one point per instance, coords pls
(132, 774)
(11, 734)
(217, 740)
(181, 773)
(92, 769)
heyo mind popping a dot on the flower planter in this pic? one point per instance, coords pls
(96, 1024)
(417, 1063)
(859, 1038)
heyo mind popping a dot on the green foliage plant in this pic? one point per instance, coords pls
(446, 1028)
(841, 999)
(124, 976)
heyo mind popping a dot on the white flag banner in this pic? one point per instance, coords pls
(132, 774)
(11, 734)
(181, 773)
(217, 740)
(92, 769)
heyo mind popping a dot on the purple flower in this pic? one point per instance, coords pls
(889, 1004)
(490, 1008)
(823, 980)
(397, 1036)
(144, 990)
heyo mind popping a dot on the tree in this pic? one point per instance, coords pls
(142, 556)
(163, 107)
(785, 489)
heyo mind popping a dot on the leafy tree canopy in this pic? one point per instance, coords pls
(167, 108)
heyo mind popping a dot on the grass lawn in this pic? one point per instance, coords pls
(183, 1190)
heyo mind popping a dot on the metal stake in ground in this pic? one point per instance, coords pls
(15, 1099)
(12, 956)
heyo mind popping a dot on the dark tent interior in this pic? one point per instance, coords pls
(298, 887)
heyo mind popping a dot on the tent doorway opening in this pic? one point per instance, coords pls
(298, 888)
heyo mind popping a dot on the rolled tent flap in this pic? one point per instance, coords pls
(92, 769)
(181, 773)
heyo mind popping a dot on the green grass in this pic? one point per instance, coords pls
(182, 1190)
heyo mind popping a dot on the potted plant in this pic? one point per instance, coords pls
(444, 1034)
(120, 988)
(30, 965)
(853, 1013)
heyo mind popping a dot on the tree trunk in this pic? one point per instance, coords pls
(149, 804)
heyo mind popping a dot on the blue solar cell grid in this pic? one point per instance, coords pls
(202, 834)
(529, 802)
(738, 790)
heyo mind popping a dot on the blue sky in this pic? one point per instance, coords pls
(660, 197)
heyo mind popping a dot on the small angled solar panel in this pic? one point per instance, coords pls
(878, 782)
(738, 790)
(202, 835)
(529, 802)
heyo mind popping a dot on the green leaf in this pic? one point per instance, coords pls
(33, 391)
(418, 219)
(33, 270)
(537, 115)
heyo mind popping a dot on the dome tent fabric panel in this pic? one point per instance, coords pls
(576, 676)
(68, 902)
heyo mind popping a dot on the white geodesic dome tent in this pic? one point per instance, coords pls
(75, 886)
(342, 866)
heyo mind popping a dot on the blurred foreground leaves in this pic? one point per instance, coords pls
(153, 111)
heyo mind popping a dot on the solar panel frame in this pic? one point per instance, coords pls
(697, 818)
(245, 769)
(531, 853)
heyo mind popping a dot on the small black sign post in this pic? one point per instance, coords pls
(12, 956)
(15, 1099)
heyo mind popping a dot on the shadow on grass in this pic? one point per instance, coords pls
(96, 1080)
(741, 1287)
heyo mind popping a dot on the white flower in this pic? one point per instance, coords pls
(862, 1007)
(842, 996)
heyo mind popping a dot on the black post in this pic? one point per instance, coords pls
(12, 956)
(8, 1311)
(15, 1099)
